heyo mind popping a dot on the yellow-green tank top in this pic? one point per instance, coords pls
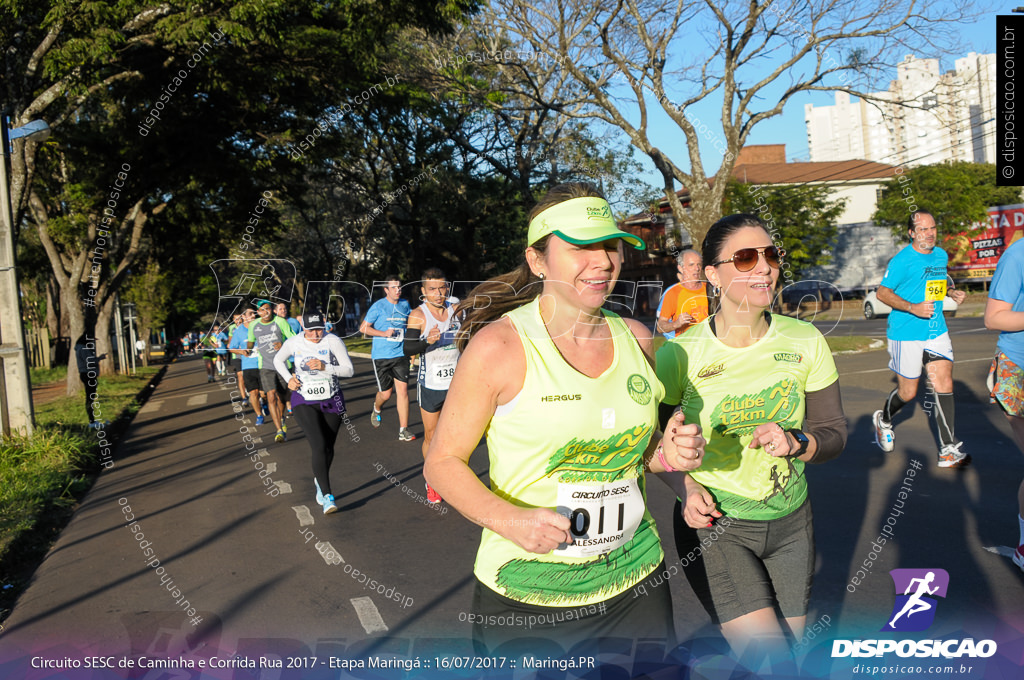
(575, 444)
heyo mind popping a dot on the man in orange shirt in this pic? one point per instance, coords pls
(684, 303)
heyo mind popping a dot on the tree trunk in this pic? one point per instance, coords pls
(73, 313)
(52, 311)
(104, 317)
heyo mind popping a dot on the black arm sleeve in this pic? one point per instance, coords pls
(826, 421)
(413, 345)
(665, 412)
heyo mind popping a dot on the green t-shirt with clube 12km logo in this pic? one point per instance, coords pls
(574, 444)
(732, 390)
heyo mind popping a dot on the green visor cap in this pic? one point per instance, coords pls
(580, 221)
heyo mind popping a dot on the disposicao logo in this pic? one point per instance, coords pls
(917, 591)
(915, 610)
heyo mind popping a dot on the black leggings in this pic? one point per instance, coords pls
(321, 430)
(90, 395)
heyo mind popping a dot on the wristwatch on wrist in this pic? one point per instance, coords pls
(801, 440)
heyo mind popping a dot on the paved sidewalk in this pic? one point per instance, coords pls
(227, 535)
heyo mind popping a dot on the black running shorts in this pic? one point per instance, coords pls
(390, 370)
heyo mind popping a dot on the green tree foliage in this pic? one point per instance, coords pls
(803, 217)
(150, 289)
(957, 194)
(200, 99)
(439, 170)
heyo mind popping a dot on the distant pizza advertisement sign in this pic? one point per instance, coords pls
(974, 253)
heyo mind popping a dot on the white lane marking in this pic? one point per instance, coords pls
(956, 362)
(283, 487)
(271, 467)
(197, 400)
(262, 452)
(368, 615)
(331, 556)
(1002, 550)
(151, 407)
(304, 516)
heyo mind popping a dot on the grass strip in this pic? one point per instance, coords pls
(43, 476)
(851, 343)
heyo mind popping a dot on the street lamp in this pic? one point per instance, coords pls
(15, 384)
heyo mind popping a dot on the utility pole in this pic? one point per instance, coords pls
(15, 384)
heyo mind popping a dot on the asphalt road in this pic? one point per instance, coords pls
(241, 541)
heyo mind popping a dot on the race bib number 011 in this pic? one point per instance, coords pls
(934, 290)
(602, 517)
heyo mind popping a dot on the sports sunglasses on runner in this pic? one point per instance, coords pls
(746, 258)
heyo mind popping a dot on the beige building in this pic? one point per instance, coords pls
(924, 117)
(861, 250)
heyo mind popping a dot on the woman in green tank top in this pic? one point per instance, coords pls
(567, 397)
(766, 390)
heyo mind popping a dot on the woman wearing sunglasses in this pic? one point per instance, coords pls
(765, 391)
(567, 398)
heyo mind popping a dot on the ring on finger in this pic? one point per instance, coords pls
(771, 446)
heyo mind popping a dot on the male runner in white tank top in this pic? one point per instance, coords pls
(431, 333)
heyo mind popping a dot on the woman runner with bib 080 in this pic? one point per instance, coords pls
(317, 400)
(765, 390)
(567, 397)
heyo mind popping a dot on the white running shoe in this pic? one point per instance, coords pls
(952, 457)
(884, 436)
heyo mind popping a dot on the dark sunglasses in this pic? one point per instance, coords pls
(745, 259)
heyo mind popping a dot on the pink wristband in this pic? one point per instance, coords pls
(660, 453)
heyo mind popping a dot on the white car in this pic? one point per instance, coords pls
(874, 308)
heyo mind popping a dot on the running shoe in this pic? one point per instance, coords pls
(329, 505)
(952, 457)
(1018, 556)
(405, 436)
(884, 436)
(284, 428)
(280, 436)
(266, 409)
(319, 496)
(375, 418)
(432, 496)
(259, 419)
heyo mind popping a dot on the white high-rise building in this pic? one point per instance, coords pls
(924, 117)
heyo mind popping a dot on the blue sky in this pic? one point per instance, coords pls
(789, 128)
